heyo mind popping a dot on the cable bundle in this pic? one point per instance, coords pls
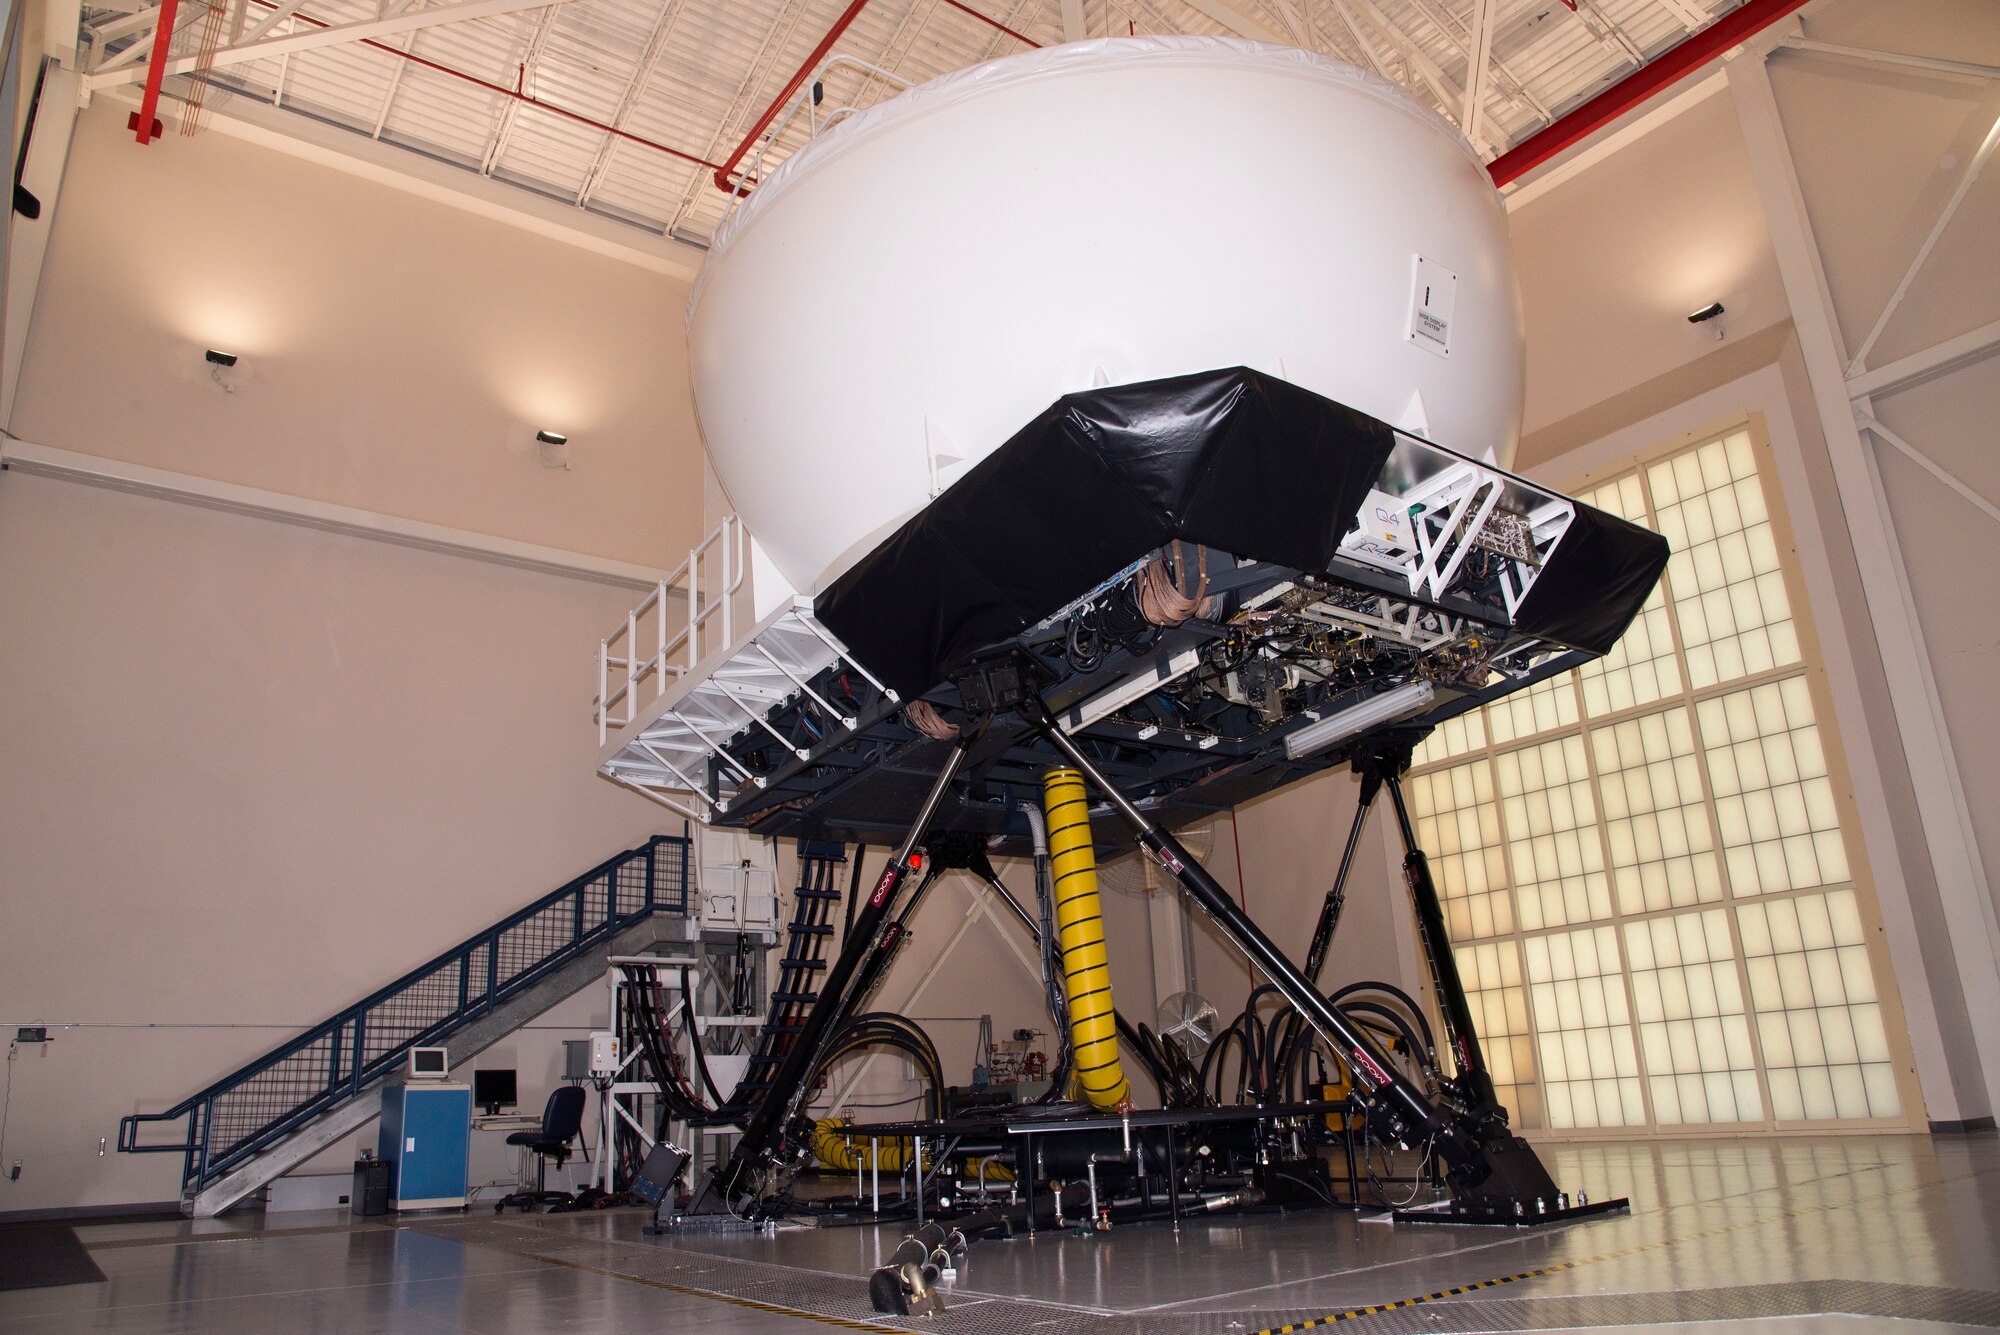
(1162, 601)
(923, 716)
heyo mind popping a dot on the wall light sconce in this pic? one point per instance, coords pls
(221, 365)
(1709, 314)
(553, 448)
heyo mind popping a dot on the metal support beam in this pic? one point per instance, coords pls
(1964, 893)
(1478, 58)
(1741, 23)
(1238, 22)
(1924, 461)
(1960, 189)
(1800, 42)
(335, 35)
(1919, 366)
(1073, 29)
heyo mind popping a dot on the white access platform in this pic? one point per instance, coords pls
(671, 747)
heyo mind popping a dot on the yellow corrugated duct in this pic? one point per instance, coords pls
(848, 1154)
(1080, 933)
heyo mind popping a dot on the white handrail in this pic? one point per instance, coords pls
(803, 99)
(620, 648)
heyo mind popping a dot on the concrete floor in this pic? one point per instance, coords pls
(1799, 1236)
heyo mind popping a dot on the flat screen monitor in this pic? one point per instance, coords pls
(494, 1090)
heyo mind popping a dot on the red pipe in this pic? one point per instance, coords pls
(812, 61)
(994, 23)
(156, 72)
(1739, 24)
(504, 91)
(799, 76)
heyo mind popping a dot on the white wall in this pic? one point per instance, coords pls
(249, 771)
(254, 772)
(398, 355)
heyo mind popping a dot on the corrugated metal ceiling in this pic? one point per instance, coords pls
(624, 107)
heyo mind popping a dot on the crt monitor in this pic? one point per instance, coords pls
(494, 1090)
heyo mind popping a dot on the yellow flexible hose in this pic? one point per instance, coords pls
(848, 1155)
(1080, 932)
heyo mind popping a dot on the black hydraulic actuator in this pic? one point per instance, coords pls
(1474, 1082)
(772, 1131)
(1494, 1174)
(1395, 1105)
(1329, 913)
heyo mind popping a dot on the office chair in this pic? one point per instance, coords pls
(562, 1121)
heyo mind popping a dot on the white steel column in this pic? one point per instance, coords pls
(1963, 888)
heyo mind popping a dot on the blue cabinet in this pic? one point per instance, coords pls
(426, 1140)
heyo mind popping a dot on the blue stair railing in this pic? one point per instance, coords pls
(253, 1108)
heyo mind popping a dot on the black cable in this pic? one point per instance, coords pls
(1314, 1187)
(1416, 1011)
(694, 1043)
(1423, 1056)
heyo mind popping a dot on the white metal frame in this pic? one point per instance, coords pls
(124, 67)
(1447, 510)
(620, 648)
(674, 749)
(1842, 391)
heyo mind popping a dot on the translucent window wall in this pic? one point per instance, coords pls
(1648, 865)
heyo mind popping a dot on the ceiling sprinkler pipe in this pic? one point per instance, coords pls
(804, 71)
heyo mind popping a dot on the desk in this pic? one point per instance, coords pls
(506, 1124)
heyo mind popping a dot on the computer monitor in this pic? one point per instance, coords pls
(494, 1090)
(429, 1063)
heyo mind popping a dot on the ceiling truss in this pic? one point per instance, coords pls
(633, 102)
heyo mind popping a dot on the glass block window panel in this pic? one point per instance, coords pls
(1590, 1064)
(1642, 667)
(1552, 841)
(1826, 1054)
(1453, 738)
(1543, 707)
(1658, 833)
(1693, 1032)
(1458, 826)
(1662, 849)
(1728, 588)
(1491, 974)
(1773, 798)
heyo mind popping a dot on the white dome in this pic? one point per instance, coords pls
(920, 281)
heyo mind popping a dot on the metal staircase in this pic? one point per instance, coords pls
(273, 1114)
